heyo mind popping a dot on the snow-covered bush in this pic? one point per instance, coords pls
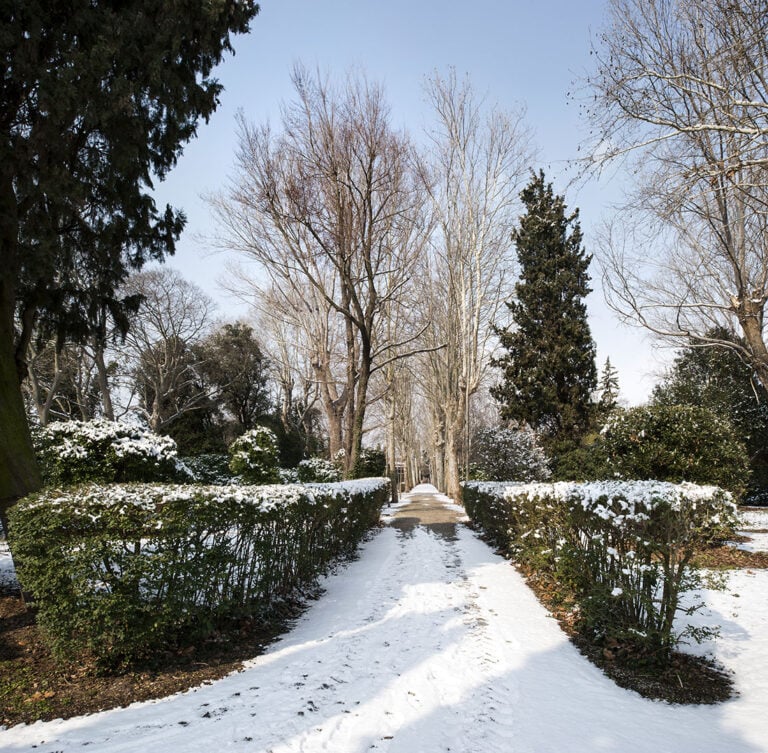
(288, 475)
(318, 469)
(254, 456)
(102, 451)
(623, 548)
(502, 454)
(121, 571)
(675, 443)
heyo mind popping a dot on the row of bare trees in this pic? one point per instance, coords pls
(381, 265)
(177, 368)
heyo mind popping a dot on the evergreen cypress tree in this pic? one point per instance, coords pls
(608, 388)
(549, 366)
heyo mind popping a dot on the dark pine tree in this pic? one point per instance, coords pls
(608, 389)
(548, 365)
(98, 99)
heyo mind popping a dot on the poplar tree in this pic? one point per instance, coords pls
(548, 362)
(97, 98)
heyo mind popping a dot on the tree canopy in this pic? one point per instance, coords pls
(98, 99)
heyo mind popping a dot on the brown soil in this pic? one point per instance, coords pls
(726, 557)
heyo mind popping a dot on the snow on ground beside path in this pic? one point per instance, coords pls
(7, 570)
(758, 542)
(753, 517)
(754, 524)
(428, 644)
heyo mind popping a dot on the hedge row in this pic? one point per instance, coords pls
(122, 571)
(623, 549)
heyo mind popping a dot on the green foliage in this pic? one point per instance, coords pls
(210, 468)
(623, 549)
(254, 456)
(98, 100)
(318, 469)
(123, 571)
(586, 461)
(233, 364)
(549, 361)
(371, 463)
(508, 454)
(675, 443)
(717, 379)
(101, 451)
(608, 389)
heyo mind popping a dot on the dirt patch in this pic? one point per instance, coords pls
(727, 556)
(426, 511)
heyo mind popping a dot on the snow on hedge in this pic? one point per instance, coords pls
(625, 548)
(139, 566)
(105, 451)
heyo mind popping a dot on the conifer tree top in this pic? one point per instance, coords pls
(549, 360)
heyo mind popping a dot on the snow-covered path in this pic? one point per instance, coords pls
(430, 643)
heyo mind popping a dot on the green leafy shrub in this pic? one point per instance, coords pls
(624, 549)
(372, 463)
(318, 469)
(581, 463)
(122, 571)
(210, 468)
(675, 443)
(254, 456)
(101, 451)
(509, 454)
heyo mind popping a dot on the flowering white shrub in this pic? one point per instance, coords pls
(624, 547)
(254, 455)
(318, 469)
(105, 451)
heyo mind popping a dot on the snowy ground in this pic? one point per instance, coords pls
(755, 527)
(430, 643)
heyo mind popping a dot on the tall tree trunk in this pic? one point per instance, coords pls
(361, 403)
(19, 474)
(453, 441)
(438, 457)
(103, 381)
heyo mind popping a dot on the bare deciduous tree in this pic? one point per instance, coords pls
(174, 315)
(478, 160)
(332, 201)
(681, 93)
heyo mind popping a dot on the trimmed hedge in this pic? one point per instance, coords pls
(123, 571)
(623, 549)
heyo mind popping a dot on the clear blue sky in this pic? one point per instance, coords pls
(515, 51)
